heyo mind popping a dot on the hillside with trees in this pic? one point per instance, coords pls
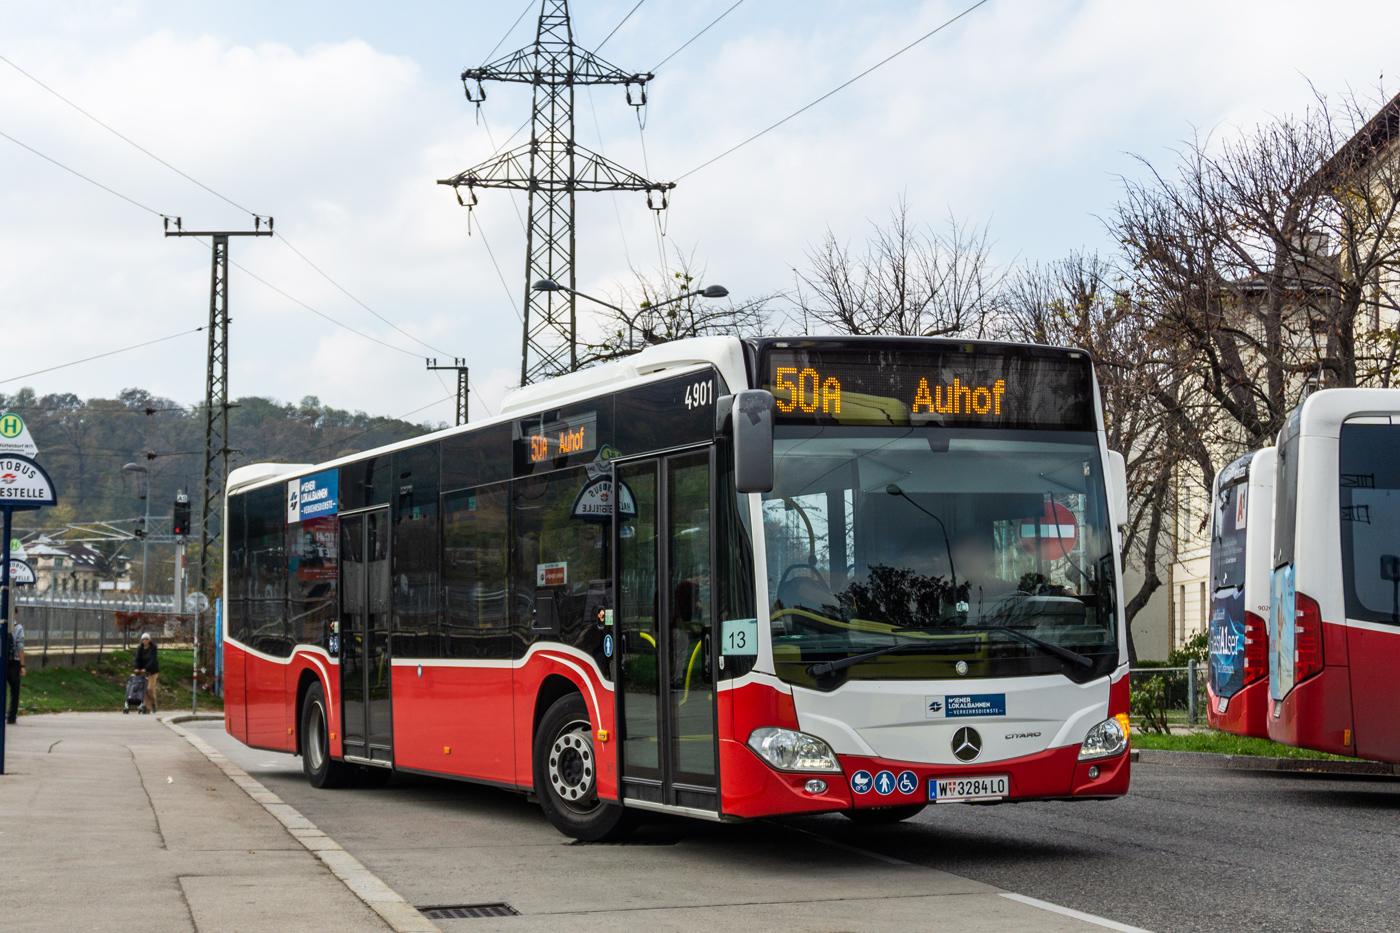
(84, 443)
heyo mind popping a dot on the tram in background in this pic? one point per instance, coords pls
(1241, 551)
(1334, 621)
(721, 578)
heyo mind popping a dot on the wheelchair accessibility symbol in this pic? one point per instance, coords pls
(907, 782)
(860, 782)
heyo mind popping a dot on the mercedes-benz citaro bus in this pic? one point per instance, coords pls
(721, 578)
(1241, 556)
(1334, 625)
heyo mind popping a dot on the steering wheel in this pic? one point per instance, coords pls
(809, 567)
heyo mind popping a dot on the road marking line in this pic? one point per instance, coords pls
(401, 916)
(1076, 914)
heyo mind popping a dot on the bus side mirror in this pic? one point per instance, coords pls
(1390, 568)
(752, 416)
(1117, 488)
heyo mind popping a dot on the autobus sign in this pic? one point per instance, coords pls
(22, 573)
(24, 484)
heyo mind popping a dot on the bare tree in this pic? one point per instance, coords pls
(1269, 262)
(1083, 302)
(909, 280)
(669, 308)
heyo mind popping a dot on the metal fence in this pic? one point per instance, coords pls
(1165, 697)
(67, 628)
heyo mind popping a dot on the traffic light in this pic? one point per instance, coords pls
(180, 521)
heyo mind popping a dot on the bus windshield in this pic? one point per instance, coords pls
(955, 540)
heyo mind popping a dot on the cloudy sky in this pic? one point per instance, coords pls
(337, 118)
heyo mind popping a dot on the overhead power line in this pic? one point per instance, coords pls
(99, 356)
(529, 4)
(357, 301)
(882, 62)
(125, 139)
(236, 265)
(599, 46)
(85, 178)
(696, 36)
(201, 184)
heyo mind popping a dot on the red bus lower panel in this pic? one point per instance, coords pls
(1247, 712)
(1316, 713)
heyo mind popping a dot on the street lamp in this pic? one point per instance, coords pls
(145, 523)
(709, 291)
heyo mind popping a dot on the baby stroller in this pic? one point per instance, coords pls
(135, 693)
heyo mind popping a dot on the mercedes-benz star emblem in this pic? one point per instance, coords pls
(967, 744)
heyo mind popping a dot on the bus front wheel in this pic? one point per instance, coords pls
(321, 769)
(566, 776)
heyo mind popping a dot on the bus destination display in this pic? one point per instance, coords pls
(564, 438)
(963, 385)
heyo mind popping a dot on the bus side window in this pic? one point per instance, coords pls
(237, 568)
(475, 581)
(557, 557)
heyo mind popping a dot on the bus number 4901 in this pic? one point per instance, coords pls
(699, 394)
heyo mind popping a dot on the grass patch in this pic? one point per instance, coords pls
(1223, 743)
(101, 687)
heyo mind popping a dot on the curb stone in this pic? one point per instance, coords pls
(1155, 756)
(399, 914)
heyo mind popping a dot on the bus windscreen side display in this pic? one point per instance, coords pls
(957, 386)
(562, 438)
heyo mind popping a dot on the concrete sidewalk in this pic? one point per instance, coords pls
(112, 822)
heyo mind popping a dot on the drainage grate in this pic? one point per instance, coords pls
(468, 911)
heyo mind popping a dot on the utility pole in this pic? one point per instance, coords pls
(216, 404)
(459, 366)
(551, 167)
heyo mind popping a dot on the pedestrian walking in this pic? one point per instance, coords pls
(15, 670)
(148, 663)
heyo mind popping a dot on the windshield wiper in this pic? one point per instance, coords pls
(1064, 654)
(831, 667)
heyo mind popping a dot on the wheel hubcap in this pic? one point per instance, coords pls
(572, 772)
(316, 737)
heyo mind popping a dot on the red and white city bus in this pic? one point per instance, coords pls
(1334, 624)
(721, 578)
(1241, 556)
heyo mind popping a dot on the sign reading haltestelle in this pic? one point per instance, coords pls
(24, 484)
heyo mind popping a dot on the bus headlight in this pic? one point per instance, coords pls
(787, 750)
(1104, 740)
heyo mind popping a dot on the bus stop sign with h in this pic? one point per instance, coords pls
(24, 486)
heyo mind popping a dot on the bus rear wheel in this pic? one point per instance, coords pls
(566, 776)
(321, 769)
(884, 816)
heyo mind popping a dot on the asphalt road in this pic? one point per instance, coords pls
(1189, 849)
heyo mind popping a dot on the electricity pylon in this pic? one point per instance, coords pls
(550, 168)
(459, 366)
(216, 404)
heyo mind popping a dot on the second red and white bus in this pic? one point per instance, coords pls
(1241, 554)
(1334, 626)
(721, 578)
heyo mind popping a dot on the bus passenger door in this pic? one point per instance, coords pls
(666, 700)
(366, 715)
